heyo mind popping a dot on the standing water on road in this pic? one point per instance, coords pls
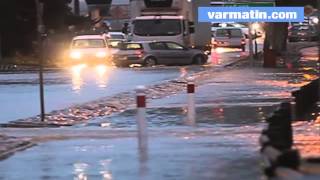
(19, 93)
(231, 110)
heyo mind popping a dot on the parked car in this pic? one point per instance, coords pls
(303, 33)
(150, 53)
(229, 37)
(89, 49)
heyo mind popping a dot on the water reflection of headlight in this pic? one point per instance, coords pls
(101, 54)
(78, 68)
(75, 55)
(101, 69)
(220, 50)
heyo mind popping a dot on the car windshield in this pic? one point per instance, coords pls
(116, 36)
(130, 46)
(88, 43)
(229, 33)
(157, 27)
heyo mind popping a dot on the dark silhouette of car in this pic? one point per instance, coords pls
(303, 33)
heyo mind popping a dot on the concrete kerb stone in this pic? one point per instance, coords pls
(10, 145)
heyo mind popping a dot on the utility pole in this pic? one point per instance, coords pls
(0, 46)
(250, 44)
(76, 7)
(41, 34)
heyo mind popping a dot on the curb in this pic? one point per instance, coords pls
(20, 147)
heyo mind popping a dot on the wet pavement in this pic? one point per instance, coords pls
(231, 108)
(72, 86)
(199, 156)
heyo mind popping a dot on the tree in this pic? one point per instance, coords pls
(19, 24)
(276, 33)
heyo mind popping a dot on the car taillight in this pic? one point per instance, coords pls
(214, 41)
(243, 41)
(139, 53)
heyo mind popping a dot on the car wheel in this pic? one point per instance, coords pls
(243, 48)
(121, 65)
(198, 60)
(150, 61)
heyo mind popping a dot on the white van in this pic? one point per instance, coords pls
(229, 37)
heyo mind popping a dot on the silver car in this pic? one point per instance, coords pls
(229, 37)
(157, 52)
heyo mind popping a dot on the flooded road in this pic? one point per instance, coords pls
(197, 157)
(80, 84)
(231, 109)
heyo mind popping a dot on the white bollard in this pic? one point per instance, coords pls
(141, 120)
(191, 117)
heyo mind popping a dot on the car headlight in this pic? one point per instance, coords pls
(255, 26)
(315, 20)
(101, 54)
(75, 55)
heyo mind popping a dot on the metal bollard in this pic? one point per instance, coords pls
(191, 117)
(141, 119)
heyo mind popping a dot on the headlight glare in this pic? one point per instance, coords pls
(101, 54)
(75, 55)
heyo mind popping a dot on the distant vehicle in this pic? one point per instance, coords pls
(229, 37)
(256, 28)
(117, 36)
(303, 33)
(170, 20)
(114, 39)
(89, 49)
(150, 53)
(216, 26)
